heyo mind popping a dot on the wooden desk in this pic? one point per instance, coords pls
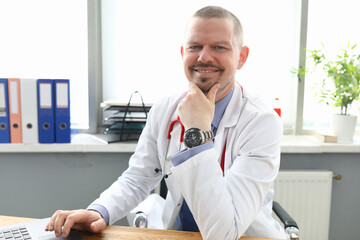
(128, 233)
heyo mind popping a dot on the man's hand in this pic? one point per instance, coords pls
(196, 110)
(62, 222)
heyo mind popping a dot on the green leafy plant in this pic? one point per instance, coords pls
(341, 85)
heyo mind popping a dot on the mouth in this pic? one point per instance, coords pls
(204, 70)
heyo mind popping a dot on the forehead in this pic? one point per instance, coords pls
(207, 30)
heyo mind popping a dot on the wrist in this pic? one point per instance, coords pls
(202, 127)
(103, 212)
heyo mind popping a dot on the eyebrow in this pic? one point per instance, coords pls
(222, 43)
(215, 43)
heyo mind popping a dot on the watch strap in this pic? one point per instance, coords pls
(206, 136)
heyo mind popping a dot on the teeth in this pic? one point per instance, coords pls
(204, 71)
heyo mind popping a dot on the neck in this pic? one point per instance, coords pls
(223, 92)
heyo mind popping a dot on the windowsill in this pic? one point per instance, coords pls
(80, 143)
(310, 144)
(86, 143)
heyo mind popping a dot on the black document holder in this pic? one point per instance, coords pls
(128, 120)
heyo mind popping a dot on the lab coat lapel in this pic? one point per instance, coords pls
(233, 110)
(174, 147)
(175, 144)
(228, 121)
(175, 198)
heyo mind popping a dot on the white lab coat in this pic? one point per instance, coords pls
(224, 207)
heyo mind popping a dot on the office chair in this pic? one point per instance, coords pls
(290, 226)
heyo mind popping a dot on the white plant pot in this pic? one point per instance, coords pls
(344, 127)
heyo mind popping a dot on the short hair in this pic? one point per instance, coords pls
(219, 12)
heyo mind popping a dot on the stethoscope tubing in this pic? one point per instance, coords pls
(171, 127)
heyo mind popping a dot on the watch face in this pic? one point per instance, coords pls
(192, 137)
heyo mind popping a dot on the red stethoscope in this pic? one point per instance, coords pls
(171, 127)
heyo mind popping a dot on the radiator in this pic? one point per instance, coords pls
(306, 196)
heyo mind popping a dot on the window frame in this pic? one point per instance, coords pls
(94, 65)
(299, 124)
(299, 129)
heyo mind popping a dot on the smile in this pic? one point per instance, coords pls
(202, 68)
(205, 71)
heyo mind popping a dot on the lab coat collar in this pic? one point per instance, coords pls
(232, 112)
(230, 119)
(220, 108)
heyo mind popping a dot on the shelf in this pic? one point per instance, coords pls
(87, 143)
(310, 144)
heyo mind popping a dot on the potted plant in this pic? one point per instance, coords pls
(339, 88)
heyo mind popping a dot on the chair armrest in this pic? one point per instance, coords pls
(285, 218)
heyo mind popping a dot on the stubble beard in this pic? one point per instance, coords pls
(206, 89)
(206, 83)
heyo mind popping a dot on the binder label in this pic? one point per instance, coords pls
(14, 97)
(45, 95)
(62, 95)
(2, 100)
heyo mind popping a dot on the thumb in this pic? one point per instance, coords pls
(211, 96)
(98, 225)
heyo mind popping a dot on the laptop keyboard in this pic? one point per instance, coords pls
(20, 233)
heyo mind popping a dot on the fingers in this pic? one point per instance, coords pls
(211, 94)
(71, 219)
(59, 222)
(193, 87)
(50, 224)
(62, 222)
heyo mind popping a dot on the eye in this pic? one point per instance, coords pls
(219, 47)
(195, 47)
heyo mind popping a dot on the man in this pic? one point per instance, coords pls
(220, 186)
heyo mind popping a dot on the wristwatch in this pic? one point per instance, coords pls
(194, 137)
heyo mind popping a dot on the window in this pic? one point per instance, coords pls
(334, 24)
(141, 48)
(48, 39)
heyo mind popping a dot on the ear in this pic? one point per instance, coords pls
(182, 51)
(244, 53)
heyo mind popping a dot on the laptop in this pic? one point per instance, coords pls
(34, 230)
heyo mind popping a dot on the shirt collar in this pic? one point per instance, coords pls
(220, 108)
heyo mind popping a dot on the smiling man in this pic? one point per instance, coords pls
(213, 52)
(220, 179)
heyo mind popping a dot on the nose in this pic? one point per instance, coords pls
(205, 55)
